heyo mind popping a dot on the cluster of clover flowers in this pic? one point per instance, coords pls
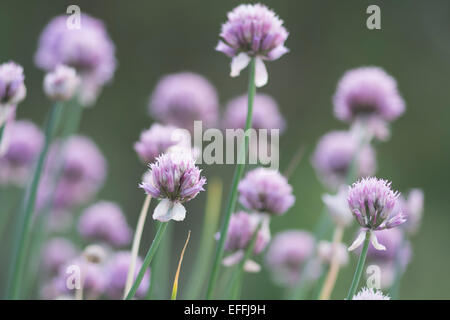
(59, 173)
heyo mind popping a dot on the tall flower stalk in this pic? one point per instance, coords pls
(239, 171)
(24, 226)
(359, 267)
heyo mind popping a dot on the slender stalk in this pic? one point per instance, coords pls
(202, 263)
(136, 243)
(236, 279)
(359, 267)
(333, 271)
(148, 259)
(23, 233)
(239, 170)
(177, 275)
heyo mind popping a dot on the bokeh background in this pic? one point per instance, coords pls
(326, 38)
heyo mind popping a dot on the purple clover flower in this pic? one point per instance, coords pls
(334, 155)
(12, 87)
(372, 203)
(287, 255)
(61, 84)
(25, 141)
(266, 191)
(266, 114)
(252, 30)
(88, 49)
(179, 99)
(116, 275)
(174, 179)
(105, 221)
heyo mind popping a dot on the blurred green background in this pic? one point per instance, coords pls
(326, 38)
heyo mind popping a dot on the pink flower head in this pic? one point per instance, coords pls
(367, 92)
(334, 155)
(88, 49)
(179, 99)
(56, 253)
(174, 178)
(252, 30)
(61, 84)
(12, 86)
(105, 221)
(370, 294)
(266, 191)
(372, 203)
(287, 255)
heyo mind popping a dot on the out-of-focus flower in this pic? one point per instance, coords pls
(12, 86)
(160, 139)
(95, 253)
(116, 275)
(90, 276)
(325, 252)
(56, 253)
(88, 49)
(252, 31)
(179, 99)
(266, 191)
(337, 206)
(412, 208)
(83, 173)
(240, 233)
(372, 203)
(370, 294)
(105, 221)
(61, 84)
(371, 95)
(25, 141)
(174, 179)
(287, 255)
(334, 155)
(266, 114)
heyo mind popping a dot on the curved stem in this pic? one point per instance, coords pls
(148, 259)
(333, 271)
(136, 243)
(236, 178)
(359, 267)
(23, 232)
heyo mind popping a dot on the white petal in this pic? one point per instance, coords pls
(162, 211)
(358, 241)
(375, 243)
(238, 63)
(232, 259)
(178, 212)
(252, 266)
(261, 76)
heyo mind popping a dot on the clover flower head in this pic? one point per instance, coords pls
(116, 272)
(334, 154)
(367, 92)
(287, 254)
(179, 99)
(370, 294)
(88, 49)
(266, 191)
(252, 30)
(174, 179)
(12, 86)
(241, 229)
(105, 221)
(62, 83)
(25, 141)
(372, 203)
(266, 114)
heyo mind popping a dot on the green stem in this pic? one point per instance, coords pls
(148, 259)
(359, 267)
(23, 232)
(231, 205)
(237, 276)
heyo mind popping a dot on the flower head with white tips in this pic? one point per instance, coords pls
(252, 31)
(372, 203)
(174, 178)
(370, 294)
